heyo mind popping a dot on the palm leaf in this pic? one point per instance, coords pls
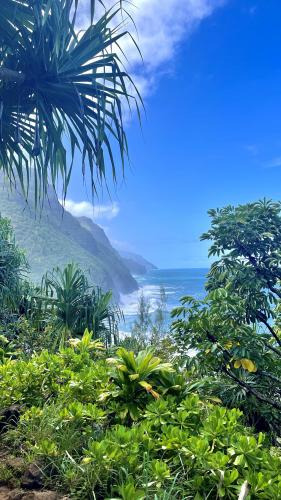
(57, 87)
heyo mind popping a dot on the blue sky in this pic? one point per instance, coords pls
(212, 131)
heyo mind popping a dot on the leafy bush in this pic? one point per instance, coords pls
(234, 332)
(24, 337)
(127, 428)
(71, 305)
(12, 267)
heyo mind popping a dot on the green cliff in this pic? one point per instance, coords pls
(53, 237)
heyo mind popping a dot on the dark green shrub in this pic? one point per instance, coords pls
(234, 333)
(168, 445)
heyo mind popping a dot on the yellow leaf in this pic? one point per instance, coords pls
(237, 363)
(215, 400)
(135, 376)
(228, 345)
(149, 389)
(74, 342)
(146, 385)
(154, 394)
(95, 344)
(248, 365)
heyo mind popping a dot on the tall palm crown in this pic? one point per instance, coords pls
(59, 86)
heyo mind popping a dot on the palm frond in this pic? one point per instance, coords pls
(73, 305)
(58, 87)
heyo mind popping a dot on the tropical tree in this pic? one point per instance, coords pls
(160, 317)
(72, 305)
(247, 239)
(13, 265)
(142, 323)
(60, 86)
(235, 331)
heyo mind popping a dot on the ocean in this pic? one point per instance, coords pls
(176, 282)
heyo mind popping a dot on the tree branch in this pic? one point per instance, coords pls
(259, 271)
(272, 377)
(240, 382)
(271, 348)
(252, 391)
(260, 317)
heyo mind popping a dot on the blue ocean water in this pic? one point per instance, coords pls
(177, 283)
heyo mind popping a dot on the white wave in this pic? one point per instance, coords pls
(130, 303)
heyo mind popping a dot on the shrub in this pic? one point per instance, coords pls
(171, 445)
(12, 267)
(24, 337)
(71, 305)
(234, 332)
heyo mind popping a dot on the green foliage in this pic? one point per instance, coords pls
(234, 331)
(148, 328)
(132, 426)
(247, 239)
(74, 305)
(86, 343)
(135, 377)
(6, 348)
(56, 83)
(142, 324)
(67, 241)
(177, 446)
(12, 267)
(159, 326)
(24, 337)
(33, 318)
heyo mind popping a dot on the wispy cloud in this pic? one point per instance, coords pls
(86, 209)
(275, 162)
(161, 27)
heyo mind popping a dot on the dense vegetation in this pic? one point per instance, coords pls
(189, 414)
(236, 329)
(144, 417)
(68, 240)
(129, 427)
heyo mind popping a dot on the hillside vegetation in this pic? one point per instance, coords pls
(53, 237)
(93, 416)
(129, 428)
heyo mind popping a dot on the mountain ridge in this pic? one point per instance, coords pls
(55, 237)
(136, 263)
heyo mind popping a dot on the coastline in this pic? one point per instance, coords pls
(176, 282)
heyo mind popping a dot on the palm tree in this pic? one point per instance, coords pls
(73, 305)
(59, 86)
(13, 266)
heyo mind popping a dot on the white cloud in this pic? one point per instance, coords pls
(275, 162)
(86, 209)
(161, 26)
